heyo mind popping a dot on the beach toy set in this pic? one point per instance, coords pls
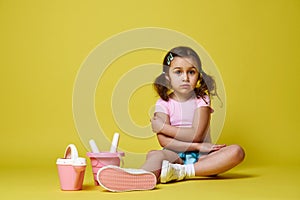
(71, 168)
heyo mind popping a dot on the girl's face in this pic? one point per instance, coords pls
(183, 76)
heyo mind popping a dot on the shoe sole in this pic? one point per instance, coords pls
(164, 171)
(116, 179)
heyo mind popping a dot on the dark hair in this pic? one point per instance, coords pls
(162, 84)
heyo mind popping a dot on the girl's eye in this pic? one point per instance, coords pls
(177, 72)
(192, 72)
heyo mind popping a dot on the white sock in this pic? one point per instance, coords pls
(190, 170)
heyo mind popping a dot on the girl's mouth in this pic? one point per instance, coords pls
(185, 86)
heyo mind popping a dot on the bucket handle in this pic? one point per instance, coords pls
(71, 152)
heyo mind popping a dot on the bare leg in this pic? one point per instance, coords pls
(154, 160)
(219, 161)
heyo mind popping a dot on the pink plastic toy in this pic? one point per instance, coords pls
(98, 160)
(71, 169)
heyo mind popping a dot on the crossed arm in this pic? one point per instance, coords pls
(184, 138)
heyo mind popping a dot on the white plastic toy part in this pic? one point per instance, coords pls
(71, 157)
(93, 146)
(115, 142)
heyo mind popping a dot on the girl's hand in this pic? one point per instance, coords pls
(157, 124)
(208, 147)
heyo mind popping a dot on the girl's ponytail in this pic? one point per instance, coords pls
(161, 86)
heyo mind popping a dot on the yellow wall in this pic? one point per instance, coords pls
(255, 45)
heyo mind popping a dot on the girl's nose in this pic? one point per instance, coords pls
(185, 77)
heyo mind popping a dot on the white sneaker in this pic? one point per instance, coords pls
(171, 172)
(118, 179)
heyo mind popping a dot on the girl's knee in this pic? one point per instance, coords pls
(237, 153)
(154, 153)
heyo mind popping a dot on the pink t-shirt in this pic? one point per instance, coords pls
(181, 113)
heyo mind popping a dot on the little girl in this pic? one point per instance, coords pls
(181, 121)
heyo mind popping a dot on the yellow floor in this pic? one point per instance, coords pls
(268, 182)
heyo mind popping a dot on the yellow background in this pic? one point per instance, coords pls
(255, 45)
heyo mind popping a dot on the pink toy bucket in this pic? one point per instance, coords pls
(102, 159)
(71, 169)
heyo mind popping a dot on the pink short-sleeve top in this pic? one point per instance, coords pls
(181, 114)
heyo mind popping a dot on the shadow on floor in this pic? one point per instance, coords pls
(225, 176)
